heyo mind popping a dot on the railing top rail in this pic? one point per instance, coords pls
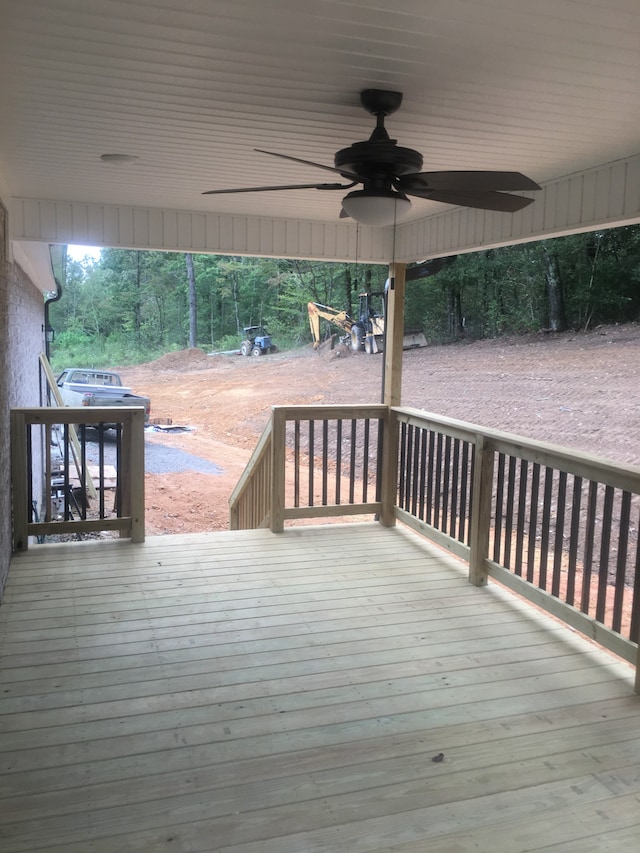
(580, 463)
(77, 414)
(344, 411)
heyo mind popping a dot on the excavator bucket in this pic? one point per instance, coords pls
(413, 340)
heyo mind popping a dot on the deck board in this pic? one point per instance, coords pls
(246, 691)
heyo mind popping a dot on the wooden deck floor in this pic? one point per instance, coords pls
(333, 688)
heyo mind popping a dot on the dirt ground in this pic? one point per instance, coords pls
(577, 389)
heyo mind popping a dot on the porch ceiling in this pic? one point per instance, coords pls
(192, 87)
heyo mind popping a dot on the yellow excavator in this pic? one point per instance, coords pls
(364, 333)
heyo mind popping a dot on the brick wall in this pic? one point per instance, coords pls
(21, 342)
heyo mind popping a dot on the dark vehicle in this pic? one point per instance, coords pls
(257, 341)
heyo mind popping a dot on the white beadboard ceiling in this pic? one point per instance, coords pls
(192, 87)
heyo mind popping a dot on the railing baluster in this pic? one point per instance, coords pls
(521, 514)
(558, 549)
(500, 508)
(402, 466)
(510, 509)
(407, 465)
(446, 484)
(455, 469)
(430, 479)
(82, 474)
(589, 534)
(312, 454)
(464, 493)
(605, 542)
(119, 494)
(621, 567)
(325, 461)
(546, 526)
(338, 458)
(352, 471)
(437, 496)
(30, 468)
(365, 460)
(66, 486)
(415, 478)
(574, 539)
(533, 521)
(381, 439)
(296, 463)
(101, 475)
(423, 473)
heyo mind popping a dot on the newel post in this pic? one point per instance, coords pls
(482, 490)
(392, 389)
(389, 468)
(278, 422)
(136, 474)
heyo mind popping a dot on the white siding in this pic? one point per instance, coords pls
(604, 197)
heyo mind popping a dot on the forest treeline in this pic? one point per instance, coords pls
(132, 306)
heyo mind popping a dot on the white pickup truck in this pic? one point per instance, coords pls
(88, 387)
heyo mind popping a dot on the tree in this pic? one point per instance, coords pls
(557, 317)
(193, 312)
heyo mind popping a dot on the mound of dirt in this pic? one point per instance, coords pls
(186, 359)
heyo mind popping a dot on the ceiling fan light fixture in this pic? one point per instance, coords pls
(378, 208)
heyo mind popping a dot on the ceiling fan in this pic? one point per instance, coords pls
(389, 174)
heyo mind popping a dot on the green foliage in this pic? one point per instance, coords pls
(507, 291)
(131, 306)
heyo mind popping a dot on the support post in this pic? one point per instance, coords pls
(394, 337)
(392, 388)
(482, 489)
(279, 424)
(136, 473)
(389, 469)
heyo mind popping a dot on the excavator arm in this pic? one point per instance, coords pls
(337, 318)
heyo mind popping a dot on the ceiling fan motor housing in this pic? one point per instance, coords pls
(375, 159)
(380, 101)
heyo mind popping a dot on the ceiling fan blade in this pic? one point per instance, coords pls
(282, 187)
(463, 180)
(482, 199)
(350, 175)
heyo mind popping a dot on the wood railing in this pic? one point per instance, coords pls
(250, 502)
(64, 484)
(314, 462)
(557, 526)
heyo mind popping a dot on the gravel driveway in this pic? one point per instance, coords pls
(159, 459)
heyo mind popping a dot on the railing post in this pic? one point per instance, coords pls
(482, 489)
(389, 468)
(394, 334)
(19, 474)
(136, 474)
(278, 419)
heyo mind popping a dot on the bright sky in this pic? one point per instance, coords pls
(79, 253)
